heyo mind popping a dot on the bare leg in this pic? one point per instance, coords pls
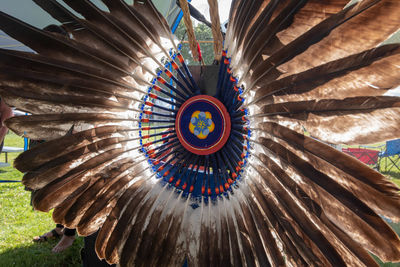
(65, 242)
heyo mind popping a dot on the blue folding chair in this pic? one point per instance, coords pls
(390, 157)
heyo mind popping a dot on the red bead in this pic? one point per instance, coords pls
(153, 96)
(149, 103)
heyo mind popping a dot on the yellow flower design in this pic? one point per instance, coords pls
(201, 124)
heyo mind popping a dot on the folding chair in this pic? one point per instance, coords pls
(367, 156)
(389, 158)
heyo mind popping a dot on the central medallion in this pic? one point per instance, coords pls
(203, 125)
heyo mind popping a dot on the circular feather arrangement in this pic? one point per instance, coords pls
(167, 173)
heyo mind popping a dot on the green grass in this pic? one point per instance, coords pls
(396, 228)
(19, 223)
(393, 173)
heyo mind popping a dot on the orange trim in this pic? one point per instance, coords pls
(168, 73)
(161, 80)
(149, 104)
(181, 60)
(153, 96)
(174, 65)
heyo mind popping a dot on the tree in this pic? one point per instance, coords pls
(203, 33)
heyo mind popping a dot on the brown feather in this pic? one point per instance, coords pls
(120, 227)
(343, 128)
(52, 194)
(95, 215)
(378, 231)
(43, 104)
(42, 63)
(378, 23)
(57, 168)
(328, 229)
(45, 152)
(60, 47)
(322, 107)
(73, 206)
(298, 246)
(250, 234)
(130, 249)
(53, 126)
(130, 41)
(348, 69)
(329, 245)
(300, 44)
(340, 160)
(115, 185)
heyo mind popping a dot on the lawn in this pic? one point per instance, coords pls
(19, 223)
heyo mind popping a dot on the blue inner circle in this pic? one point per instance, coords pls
(214, 136)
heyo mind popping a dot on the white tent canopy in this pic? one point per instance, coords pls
(29, 12)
